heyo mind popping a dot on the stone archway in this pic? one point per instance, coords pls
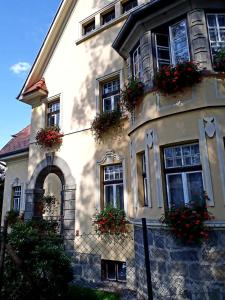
(35, 191)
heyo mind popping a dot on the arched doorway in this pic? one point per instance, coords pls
(36, 187)
(49, 184)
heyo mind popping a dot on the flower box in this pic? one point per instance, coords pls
(110, 221)
(49, 137)
(106, 121)
(187, 223)
(171, 79)
(131, 94)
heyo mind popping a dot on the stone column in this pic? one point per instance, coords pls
(199, 38)
(68, 217)
(147, 61)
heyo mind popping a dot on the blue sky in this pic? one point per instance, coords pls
(23, 26)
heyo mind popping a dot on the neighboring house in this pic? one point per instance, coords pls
(170, 152)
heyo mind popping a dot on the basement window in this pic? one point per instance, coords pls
(114, 270)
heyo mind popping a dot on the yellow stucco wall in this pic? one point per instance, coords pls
(72, 73)
(16, 174)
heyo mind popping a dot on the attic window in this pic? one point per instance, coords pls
(108, 16)
(90, 26)
(128, 5)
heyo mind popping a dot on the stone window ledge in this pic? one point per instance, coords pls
(157, 224)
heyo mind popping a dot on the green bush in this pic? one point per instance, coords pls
(45, 271)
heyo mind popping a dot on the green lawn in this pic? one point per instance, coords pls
(77, 293)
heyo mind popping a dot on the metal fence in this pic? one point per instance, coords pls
(106, 263)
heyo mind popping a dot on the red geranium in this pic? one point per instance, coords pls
(110, 220)
(187, 223)
(171, 79)
(49, 137)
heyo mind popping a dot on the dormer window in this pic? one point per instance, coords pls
(53, 113)
(171, 44)
(108, 17)
(90, 26)
(216, 28)
(128, 5)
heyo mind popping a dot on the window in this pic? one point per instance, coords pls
(171, 44)
(87, 28)
(16, 198)
(113, 186)
(128, 5)
(109, 16)
(113, 270)
(53, 113)
(183, 175)
(144, 177)
(136, 62)
(216, 28)
(111, 95)
(162, 50)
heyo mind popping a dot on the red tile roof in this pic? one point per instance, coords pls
(40, 85)
(19, 142)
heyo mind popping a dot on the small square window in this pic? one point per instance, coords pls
(128, 5)
(114, 270)
(108, 17)
(87, 28)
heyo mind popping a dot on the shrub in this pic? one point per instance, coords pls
(106, 121)
(49, 137)
(131, 94)
(110, 221)
(41, 251)
(219, 61)
(187, 223)
(12, 216)
(171, 79)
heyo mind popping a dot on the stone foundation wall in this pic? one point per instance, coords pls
(178, 271)
(87, 273)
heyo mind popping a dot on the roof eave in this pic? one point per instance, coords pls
(14, 154)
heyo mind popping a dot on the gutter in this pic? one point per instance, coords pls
(14, 154)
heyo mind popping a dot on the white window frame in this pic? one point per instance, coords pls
(184, 184)
(53, 114)
(171, 41)
(137, 51)
(17, 189)
(113, 102)
(182, 156)
(114, 183)
(163, 48)
(217, 28)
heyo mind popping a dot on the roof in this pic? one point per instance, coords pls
(40, 85)
(19, 143)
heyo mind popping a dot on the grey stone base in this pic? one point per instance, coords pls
(181, 272)
(87, 273)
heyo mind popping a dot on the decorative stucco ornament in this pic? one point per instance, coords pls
(210, 127)
(150, 139)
